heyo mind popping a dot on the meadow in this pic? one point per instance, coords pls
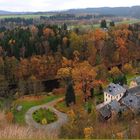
(26, 16)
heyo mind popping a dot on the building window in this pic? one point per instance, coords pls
(117, 97)
(108, 95)
(106, 99)
(120, 95)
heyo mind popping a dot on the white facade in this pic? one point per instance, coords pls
(108, 97)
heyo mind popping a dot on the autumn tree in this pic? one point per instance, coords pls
(10, 69)
(23, 70)
(121, 35)
(128, 69)
(34, 31)
(84, 74)
(75, 41)
(47, 32)
(99, 41)
(115, 72)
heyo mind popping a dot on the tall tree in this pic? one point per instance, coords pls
(70, 94)
(103, 24)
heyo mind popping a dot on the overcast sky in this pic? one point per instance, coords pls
(49, 5)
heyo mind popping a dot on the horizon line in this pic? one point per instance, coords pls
(61, 10)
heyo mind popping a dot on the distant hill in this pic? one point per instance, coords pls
(133, 11)
(5, 12)
(14, 13)
(117, 11)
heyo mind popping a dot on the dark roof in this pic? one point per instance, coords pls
(115, 89)
(132, 101)
(115, 106)
(134, 90)
(105, 111)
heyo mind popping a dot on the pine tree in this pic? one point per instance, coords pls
(112, 24)
(70, 94)
(103, 24)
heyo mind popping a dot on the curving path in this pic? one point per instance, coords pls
(52, 129)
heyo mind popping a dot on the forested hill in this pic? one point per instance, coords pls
(117, 11)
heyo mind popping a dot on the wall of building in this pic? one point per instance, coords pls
(108, 98)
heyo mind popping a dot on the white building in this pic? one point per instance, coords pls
(112, 92)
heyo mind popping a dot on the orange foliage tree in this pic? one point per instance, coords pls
(121, 35)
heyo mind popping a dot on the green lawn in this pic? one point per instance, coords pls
(61, 106)
(19, 115)
(26, 16)
(129, 21)
(94, 26)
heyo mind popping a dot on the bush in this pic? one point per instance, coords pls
(78, 121)
(44, 121)
(128, 69)
(115, 72)
(9, 117)
(44, 116)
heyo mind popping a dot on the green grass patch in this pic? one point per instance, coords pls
(94, 26)
(61, 106)
(26, 16)
(44, 116)
(19, 116)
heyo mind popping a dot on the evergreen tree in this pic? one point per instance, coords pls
(124, 80)
(65, 26)
(100, 89)
(70, 94)
(112, 24)
(92, 92)
(103, 24)
(121, 80)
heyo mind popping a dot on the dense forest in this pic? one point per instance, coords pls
(43, 52)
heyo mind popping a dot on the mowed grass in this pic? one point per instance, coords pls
(129, 21)
(94, 26)
(61, 106)
(26, 16)
(19, 116)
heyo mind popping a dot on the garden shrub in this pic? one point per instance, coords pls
(44, 116)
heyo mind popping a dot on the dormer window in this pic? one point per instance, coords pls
(130, 101)
(110, 90)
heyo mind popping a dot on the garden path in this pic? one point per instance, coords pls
(52, 129)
